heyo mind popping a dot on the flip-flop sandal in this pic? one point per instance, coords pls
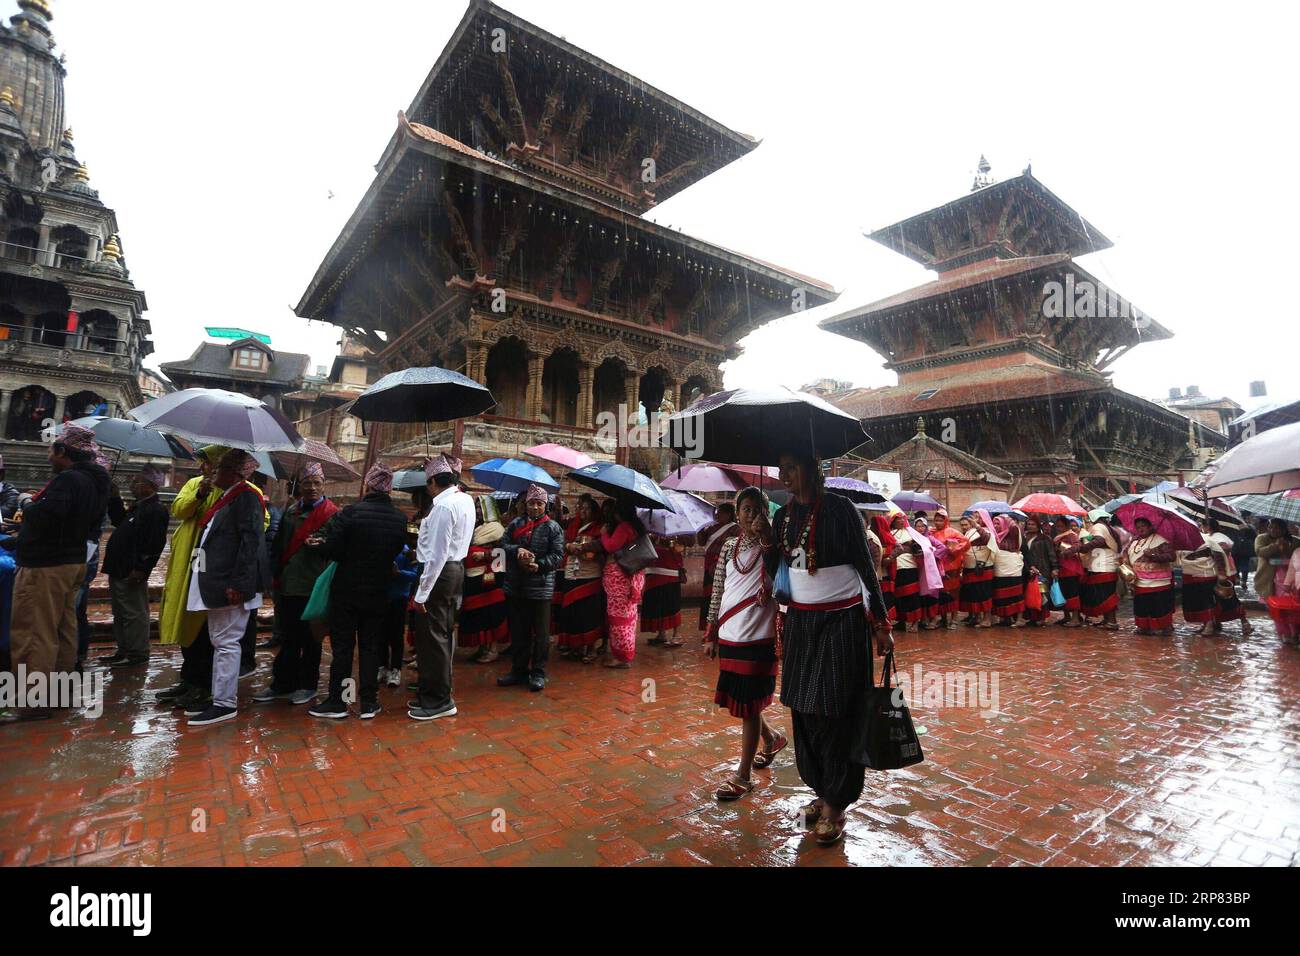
(733, 789)
(811, 814)
(673, 643)
(764, 758)
(830, 832)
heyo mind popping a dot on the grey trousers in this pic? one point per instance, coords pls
(225, 628)
(130, 617)
(435, 643)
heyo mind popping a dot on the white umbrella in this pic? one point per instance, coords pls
(1264, 464)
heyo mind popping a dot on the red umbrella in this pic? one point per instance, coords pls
(1170, 523)
(1046, 503)
(570, 458)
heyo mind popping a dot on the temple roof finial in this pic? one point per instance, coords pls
(983, 176)
(920, 427)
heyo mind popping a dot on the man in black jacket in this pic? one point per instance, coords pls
(534, 546)
(231, 571)
(365, 540)
(139, 535)
(51, 555)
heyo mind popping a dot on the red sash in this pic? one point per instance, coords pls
(526, 529)
(233, 492)
(316, 519)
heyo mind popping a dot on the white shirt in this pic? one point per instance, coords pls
(445, 535)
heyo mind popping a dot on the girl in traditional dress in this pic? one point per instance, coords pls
(622, 590)
(661, 604)
(1100, 552)
(582, 609)
(741, 632)
(1008, 573)
(955, 547)
(1069, 568)
(1149, 557)
(1227, 606)
(976, 596)
(1039, 553)
(484, 621)
(825, 638)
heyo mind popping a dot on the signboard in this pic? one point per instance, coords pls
(224, 333)
(889, 482)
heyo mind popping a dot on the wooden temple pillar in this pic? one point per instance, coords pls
(586, 398)
(533, 406)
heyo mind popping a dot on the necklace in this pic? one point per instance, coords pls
(744, 543)
(805, 538)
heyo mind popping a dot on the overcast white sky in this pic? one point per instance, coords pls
(217, 131)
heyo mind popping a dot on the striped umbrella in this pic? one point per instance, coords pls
(1279, 505)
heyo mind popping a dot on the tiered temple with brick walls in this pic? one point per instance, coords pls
(504, 236)
(1005, 354)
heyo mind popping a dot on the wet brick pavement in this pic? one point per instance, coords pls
(1104, 749)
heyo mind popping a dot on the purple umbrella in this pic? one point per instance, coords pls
(916, 501)
(857, 491)
(213, 416)
(1168, 522)
(1261, 465)
(701, 477)
(690, 516)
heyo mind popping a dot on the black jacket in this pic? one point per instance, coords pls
(140, 532)
(365, 539)
(547, 544)
(234, 552)
(57, 525)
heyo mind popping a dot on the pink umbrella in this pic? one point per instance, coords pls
(1168, 522)
(570, 458)
(701, 477)
(756, 471)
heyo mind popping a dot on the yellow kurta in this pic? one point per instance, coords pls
(175, 624)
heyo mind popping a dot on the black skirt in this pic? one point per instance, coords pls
(580, 617)
(976, 591)
(826, 660)
(746, 677)
(1198, 599)
(661, 606)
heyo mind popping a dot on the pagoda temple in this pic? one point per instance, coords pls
(72, 325)
(1004, 355)
(504, 236)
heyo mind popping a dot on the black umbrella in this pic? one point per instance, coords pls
(409, 479)
(422, 395)
(132, 438)
(757, 425)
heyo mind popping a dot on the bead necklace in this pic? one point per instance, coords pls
(742, 544)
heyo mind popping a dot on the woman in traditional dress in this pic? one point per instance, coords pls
(661, 604)
(1008, 573)
(934, 599)
(1100, 552)
(1069, 568)
(1040, 562)
(1150, 557)
(884, 531)
(1227, 606)
(1200, 575)
(1284, 602)
(825, 638)
(976, 596)
(741, 632)
(1273, 548)
(711, 540)
(955, 547)
(910, 605)
(582, 608)
(622, 590)
(484, 618)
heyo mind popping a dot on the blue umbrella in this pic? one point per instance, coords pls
(512, 475)
(619, 481)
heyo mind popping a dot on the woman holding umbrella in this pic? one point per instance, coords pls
(956, 545)
(482, 621)
(622, 590)
(1227, 606)
(582, 607)
(825, 637)
(1149, 557)
(1097, 594)
(1069, 569)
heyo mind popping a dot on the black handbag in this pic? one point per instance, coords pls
(637, 555)
(883, 735)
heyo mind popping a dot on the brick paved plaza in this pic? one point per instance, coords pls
(1106, 749)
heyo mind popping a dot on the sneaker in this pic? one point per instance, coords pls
(179, 689)
(302, 697)
(536, 682)
(394, 677)
(421, 713)
(369, 710)
(330, 710)
(189, 698)
(111, 659)
(510, 679)
(212, 715)
(270, 694)
(201, 704)
(246, 672)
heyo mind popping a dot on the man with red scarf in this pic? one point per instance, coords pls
(230, 573)
(298, 561)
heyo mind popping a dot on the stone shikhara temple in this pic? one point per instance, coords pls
(1005, 354)
(72, 331)
(504, 236)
